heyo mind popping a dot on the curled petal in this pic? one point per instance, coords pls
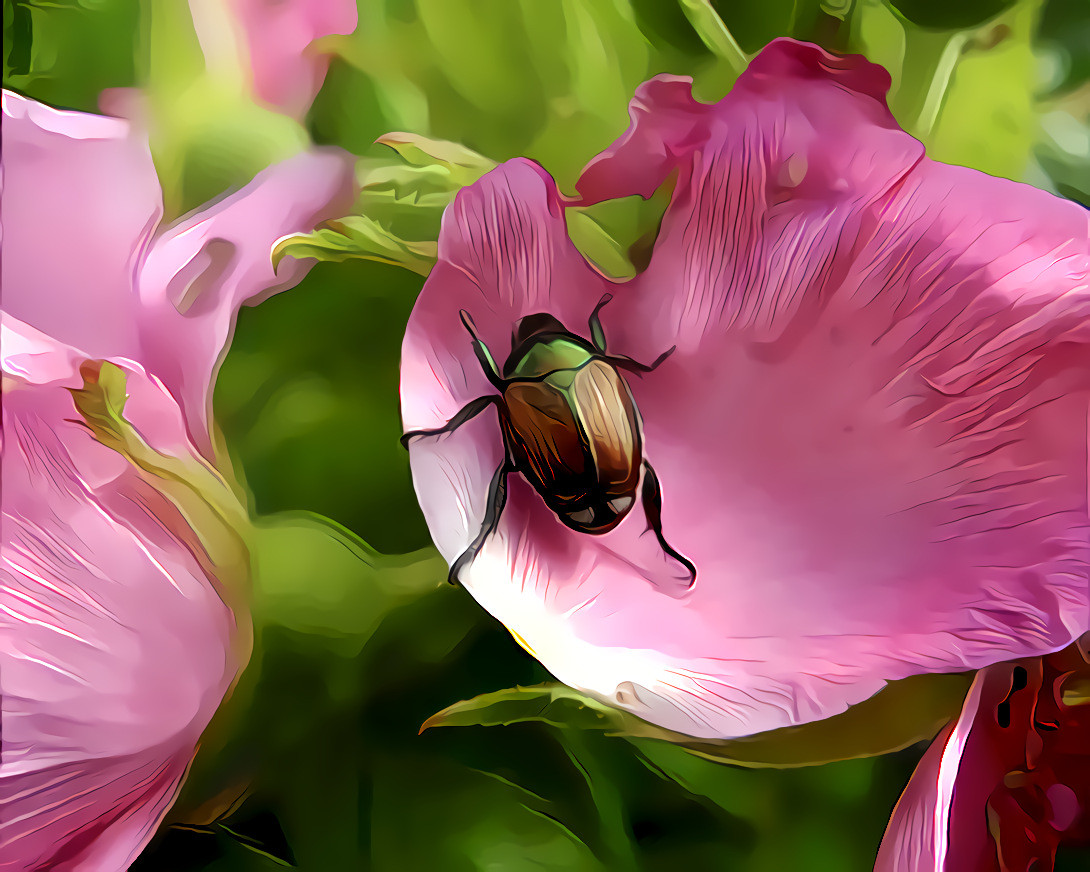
(200, 272)
(667, 125)
(871, 437)
(116, 643)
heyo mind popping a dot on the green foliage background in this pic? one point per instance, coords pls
(316, 760)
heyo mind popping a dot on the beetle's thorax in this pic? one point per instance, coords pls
(547, 354)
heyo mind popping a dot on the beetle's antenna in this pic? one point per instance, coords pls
(597, 334)
(488, 364)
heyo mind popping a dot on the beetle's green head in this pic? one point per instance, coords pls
(542, 345)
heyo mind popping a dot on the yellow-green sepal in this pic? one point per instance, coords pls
(905, 712)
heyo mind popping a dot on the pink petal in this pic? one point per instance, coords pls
(198, 273)
(81, 200)
(666, 125)
(287, 70)
(871, 437)
(827, 93)
(116, 645)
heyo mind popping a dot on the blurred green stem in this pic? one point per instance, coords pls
(613, 822)
(715, 34)
(930, 60)
(826, 24)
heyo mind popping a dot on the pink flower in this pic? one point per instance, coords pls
(1003, 787)
(276, 39)
(123, 615)
(871, 434)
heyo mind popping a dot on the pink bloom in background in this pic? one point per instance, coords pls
(119, 633)
(871, 437)
(1008, 783)
(285, 69)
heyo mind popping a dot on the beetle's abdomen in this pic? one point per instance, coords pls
(545, 439)
(604, 407)
(575, 436)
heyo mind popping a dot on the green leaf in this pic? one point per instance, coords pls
(946, 15)
(397, 215)
(323, 593)
(1064, 31)
(431, 813)
(986, 117)
(596, 244)
(68, 53)
(396, 218)
(1064, 152)
(465, 165)
(553, 704)
(357, 237)
(714, 34)
(904, 713)
(280, 857)
(313, 576)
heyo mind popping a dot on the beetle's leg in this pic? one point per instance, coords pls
(634, 365)
(597, 334)
(598, 338)
(484, 356)
(497, 498)
(652, 508)
(469, 410)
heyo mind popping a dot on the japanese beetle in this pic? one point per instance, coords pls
(570, 426)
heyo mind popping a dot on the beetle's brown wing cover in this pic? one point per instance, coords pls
(547, 442)
(605, 408)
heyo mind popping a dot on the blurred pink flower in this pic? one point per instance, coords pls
(1002, 788)
(871, 437)
(119, 631)
(285, 68)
